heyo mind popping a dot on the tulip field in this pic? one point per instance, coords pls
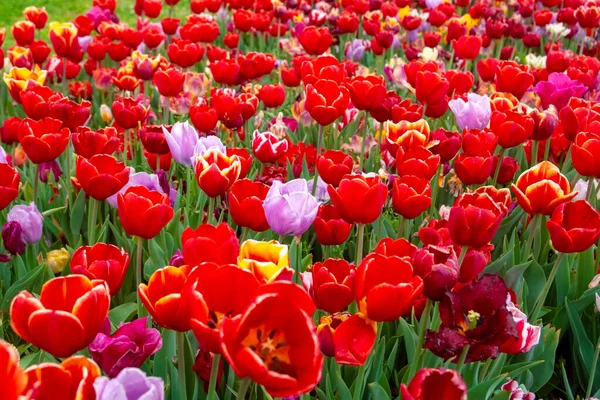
(324, 199)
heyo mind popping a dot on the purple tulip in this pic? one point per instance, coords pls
(558, 89)
(206, 143)
(130, 384)
(129, 346)
(290, 208)
(50, 167)
(30, 219)
(177, 259)
(12, 237)
(474, 113)
(151, 181)
(355, 50)
(3, 156)
(182, 140)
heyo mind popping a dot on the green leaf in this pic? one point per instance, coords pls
(586, 269)
(583, 346)
(122, 313)
(561, 320)
(28, 282)
(514, 276)
(534, 279)
(410, 340)
(544, 351)
(485, 389)
(342, 389)
(76, 215)
(377, 392)
(163, 360)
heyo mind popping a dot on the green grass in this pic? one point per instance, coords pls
(11, 11)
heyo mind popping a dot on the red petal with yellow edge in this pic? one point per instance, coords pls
(164, 282)
(83, 373)
(48, 382)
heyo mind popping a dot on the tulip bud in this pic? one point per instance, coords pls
(30, 220)
(12, 236)
(57, 260)
(177, 259)
(106, 113)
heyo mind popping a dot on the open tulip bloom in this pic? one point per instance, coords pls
(218, 199)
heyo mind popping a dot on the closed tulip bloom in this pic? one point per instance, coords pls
(438, 266)
(417, 161)
(101, 176)
(467, 47)
(23, 32)
(367, 92)
(72, 379)
(574, 227)
(474, 113)
(182, 140)
(473, 170)
(315, 41)
(143, 212)
(226, 291)
(290, 208)
(246, 200)
(348, 338)
(435, 383)
(216, 172)
(330, 284)
(13, 380)
(169, 302)
(19, 80)
(513, 78)
(326, 101)
(207, 243)
(267, 147)
(408, 134)
(511, 128)
(101, 261)
(153, 138)
(43, 140)
(411, 196)
(73, 306)
(274, 341)
(10, 180)
(585, 154)
(540, 189)
(30, 219)
(333, 165)
(474, 219)
(169, 82)
(359, 198)
(431, 88)
(130, 384)
(386, 287)
(63, 37)
(129, 346)
(330, 228)
(203, 117)
(129, 113)
(268, 261)
(87, 143)
(272, 96)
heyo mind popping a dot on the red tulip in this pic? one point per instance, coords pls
(207, 243)
(275, 330)
(326, 101)
(315, 41)
(272, 96)
(431, 88)
(101, 261)
(438, 266)
(101, 176)
(433, 384)
(584, 153)
(574, 227)
(71, 306)
(330, 228)
(226, 291)
(88, 143)
(417, 161)
(330, 284)
(411, 196)
(63, 37)
(348, 338)
(10, 180)
(169, 82)
(511, 128)
(203, 117)
(474, 220)
(359, 199)
(467, 47)
(129, 113)
(23, 32)
(143, 212)
(246, 204)
(216, 172)
(367, 92)
(43, 140)
(333, 165)
(473, 170)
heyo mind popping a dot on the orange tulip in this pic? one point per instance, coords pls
(67, 316)
(21, 79)
(73, 379)
(168, 303)
(12, 378)
(542, 188)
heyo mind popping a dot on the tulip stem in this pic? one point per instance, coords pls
(435, 188)
(138, 274)
(214, 371)
(534, 152)
(36, 182)
(533, 225)
(243, 388)
(180, 336)
(359, 244)
(499, 164)
(65, 84)
(316, 178)
(546, 289)
(401, 227)
(92, 221)
(424, 323)
(363, 143)
(590, 386)
(211, 210)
